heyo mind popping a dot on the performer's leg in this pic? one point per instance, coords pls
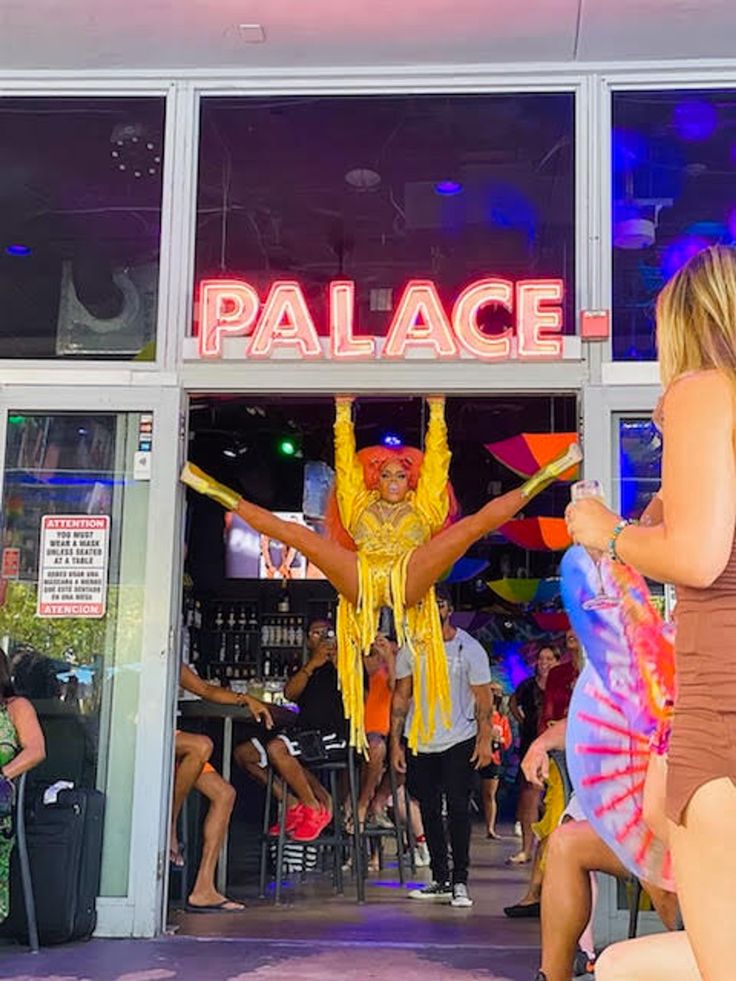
(339, 564)
(435, 557)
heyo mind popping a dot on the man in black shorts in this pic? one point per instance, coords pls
(319, 731)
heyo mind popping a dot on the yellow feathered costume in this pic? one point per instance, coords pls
(385, 536)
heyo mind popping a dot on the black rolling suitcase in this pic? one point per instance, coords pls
(65, 852)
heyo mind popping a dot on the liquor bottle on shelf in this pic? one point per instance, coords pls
(197, 616)
(283, 604)
(252, 619)
(237, 652)
(231, 619)
(241, 619)
(223, 649)
(219, 619)
(299, 639)
(266, 664)
(265, 633)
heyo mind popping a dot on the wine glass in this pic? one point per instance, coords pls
(602, 600)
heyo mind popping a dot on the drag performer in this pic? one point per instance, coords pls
(393, 541)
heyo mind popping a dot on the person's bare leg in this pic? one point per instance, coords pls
(660, 957)
(249, 759)
(490, 808)
(574, 850)
(191, 751)
(370, 774)
(221, 796)
(338, 563)
(665, 903)
(296, 776)
(534, 889)
(431, 560)
(529, 814)
(705, 872)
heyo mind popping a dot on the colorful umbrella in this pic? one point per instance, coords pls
(611, 717)
(552, 623)
(527, 452)
(526, 591)
(465, 569)
(537, 534)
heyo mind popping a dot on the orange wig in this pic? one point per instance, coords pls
(373, 459)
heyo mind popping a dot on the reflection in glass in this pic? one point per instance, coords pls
(640, 462)
(381, 190)
(80, 218)
(673, 168)
(82, 675)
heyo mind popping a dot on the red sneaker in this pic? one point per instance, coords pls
(293, 818)
(312, 824)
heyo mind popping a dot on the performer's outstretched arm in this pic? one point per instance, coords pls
(431, 494)
(349, 482)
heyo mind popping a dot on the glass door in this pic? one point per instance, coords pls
(88, 542)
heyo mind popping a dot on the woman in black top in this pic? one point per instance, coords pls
(526, 707)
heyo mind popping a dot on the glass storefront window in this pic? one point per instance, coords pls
(384, 189)
(640, 464)
(82, 673)
(673, 168)
(80, 220)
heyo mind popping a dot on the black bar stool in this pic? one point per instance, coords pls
(338, 839)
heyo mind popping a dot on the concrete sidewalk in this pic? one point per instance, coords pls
(200, 959)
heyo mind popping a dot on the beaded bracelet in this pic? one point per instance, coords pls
(612, 550)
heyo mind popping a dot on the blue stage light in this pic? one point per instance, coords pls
(17, 250)
(448, 188)
(392, 440)
(695, 120)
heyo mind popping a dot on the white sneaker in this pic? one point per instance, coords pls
(434, 890)
(460, 898)
(421, 855)
(517, 829)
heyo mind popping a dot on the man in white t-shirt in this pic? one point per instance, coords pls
(444, 765)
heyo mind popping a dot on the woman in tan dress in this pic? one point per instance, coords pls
(694, 548)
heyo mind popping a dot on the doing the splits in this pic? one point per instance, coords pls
(392, 536)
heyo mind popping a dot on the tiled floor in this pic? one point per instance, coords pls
(316, 936)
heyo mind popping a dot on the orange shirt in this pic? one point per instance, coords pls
(378, 703)
(503, 724)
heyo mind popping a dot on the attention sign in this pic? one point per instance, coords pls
(72, 574)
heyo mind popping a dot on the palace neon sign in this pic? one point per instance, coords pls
(420, 325)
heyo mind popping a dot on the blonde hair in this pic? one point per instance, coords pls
(696, 316)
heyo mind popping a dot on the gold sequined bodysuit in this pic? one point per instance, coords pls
(385, 536)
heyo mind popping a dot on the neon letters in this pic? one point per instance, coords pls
(421, 326)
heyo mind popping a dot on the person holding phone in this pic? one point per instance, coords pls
(319, 730)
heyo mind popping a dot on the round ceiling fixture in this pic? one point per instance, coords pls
(363, 178)
(634, 233)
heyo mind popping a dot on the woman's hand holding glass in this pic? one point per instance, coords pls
(591, 524)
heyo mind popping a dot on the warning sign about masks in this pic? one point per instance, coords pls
(72, 575)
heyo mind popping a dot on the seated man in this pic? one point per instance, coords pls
(574, 851)
(193, 770)
(314, 689)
